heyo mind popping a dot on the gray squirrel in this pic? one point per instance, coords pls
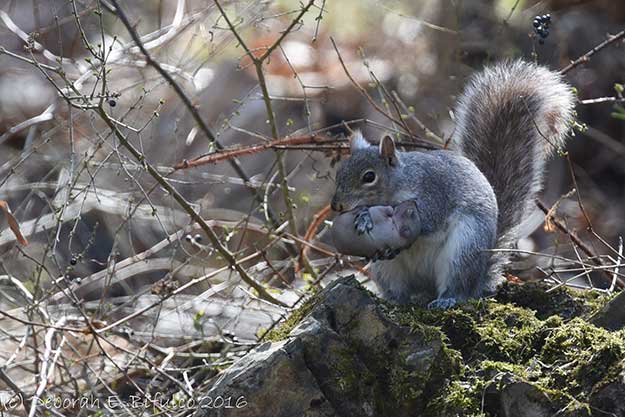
(430, 220)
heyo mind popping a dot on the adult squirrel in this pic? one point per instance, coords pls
(430, 219)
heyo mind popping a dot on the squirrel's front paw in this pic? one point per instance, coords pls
(442, 303)
(363, 222)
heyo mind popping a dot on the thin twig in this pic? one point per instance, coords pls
(370, 99)
(318, 218)
(577, 241)
(191, 108)
(586, 57)
(362, 90)
(258, 65)
(45, 116)
(618, 263)
(250, 150)
(223, 251)
(47, 365)
(599, 100)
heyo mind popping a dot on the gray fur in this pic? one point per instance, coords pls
(510, 119)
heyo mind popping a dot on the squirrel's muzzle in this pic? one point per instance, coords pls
(335, 205)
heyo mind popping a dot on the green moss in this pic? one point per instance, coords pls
(595, 301)
(283, 330)
(455, 323)
(525, 334)
(547, 301)
(351, 378)
(410, 386)
(534, 337)
(491, 368)
(575, 408)
(482, 329)
(446, 364)
(460, 398)
(582, 356)
(404, 378)
(402, 387)
(508, 333)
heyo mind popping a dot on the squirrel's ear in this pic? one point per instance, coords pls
(357, 141)
(387, 150)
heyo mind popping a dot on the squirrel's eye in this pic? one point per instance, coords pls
(368, 177)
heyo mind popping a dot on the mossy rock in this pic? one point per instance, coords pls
(531, 347)
(525, 352)
(547, 300)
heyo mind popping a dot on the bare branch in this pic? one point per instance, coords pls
(189, 105)
(586, 57)
(227, 255)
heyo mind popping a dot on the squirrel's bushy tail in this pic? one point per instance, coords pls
(510, 119)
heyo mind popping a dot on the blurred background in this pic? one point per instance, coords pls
(269, 90)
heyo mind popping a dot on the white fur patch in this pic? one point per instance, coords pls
(428, 260)
(357, 141)
(460, 232)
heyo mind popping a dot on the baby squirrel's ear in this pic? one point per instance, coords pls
(357, 141)
(387, 150)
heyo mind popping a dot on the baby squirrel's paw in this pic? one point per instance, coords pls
(442, 303)
(363, 222)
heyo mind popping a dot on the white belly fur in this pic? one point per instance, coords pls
(425, 264)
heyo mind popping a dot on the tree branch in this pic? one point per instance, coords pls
(586, 57)
(223, 251)
(194, 113)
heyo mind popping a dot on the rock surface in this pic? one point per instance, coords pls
(346, 353)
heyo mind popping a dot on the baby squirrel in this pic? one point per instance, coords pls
(430, 219)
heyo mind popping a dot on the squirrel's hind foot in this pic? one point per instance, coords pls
(442, 303)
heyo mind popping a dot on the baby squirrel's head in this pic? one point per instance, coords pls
(371, 175)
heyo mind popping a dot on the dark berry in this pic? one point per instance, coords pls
(112, 103)
(73, 261)
(536, 23)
